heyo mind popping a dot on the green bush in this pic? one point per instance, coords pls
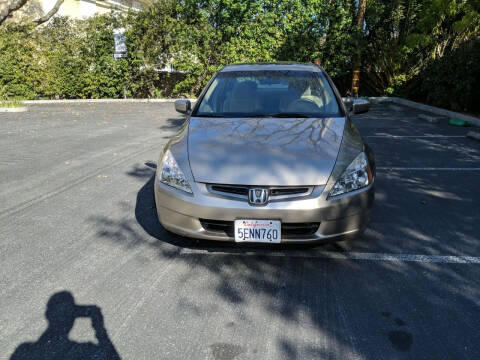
(67, 59)
(452, 81)
(21, 68)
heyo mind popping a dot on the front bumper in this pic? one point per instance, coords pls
(339, 218)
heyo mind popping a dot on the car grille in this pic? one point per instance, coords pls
(289, 230)
(239, 190)
(288, 191)
(276, 193)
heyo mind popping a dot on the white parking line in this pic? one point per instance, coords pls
(445, 259)
(427, 168)
(414, 136)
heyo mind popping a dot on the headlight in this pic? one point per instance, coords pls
(356, 176)
(172, 175)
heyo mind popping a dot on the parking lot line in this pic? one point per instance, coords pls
(414, 136)
(445, 259)
(426, 168)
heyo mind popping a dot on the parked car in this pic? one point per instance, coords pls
(268, 154)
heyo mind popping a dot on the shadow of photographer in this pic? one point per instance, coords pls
(54, 342)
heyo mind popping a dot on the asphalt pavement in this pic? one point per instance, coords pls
(86, 270)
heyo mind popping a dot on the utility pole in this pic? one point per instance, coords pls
(357, 57)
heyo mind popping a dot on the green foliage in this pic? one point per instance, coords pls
(406, 47)
(443, 24)
(453, 80)
(407, 43)
(319, 30)
(211, 34)
(220, 33)
(388, 25)
(66, 59)
(19, 73)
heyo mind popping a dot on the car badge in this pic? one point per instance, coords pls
(257, 196)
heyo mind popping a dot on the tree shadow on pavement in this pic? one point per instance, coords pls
(54, 343)
(312, 307)
(353, 309)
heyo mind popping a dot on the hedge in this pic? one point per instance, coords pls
(69, 59)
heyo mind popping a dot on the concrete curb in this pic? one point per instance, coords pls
(13, 109)
(375, 100)
(83, 101)
(428, 108)
(473, 135)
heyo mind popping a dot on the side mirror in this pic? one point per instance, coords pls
(360, 106)
(183, 106)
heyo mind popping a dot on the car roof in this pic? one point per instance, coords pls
(272, 66)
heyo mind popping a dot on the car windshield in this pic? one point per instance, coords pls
(277, 93)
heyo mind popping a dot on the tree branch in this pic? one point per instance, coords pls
(49, 15)
(8, 9)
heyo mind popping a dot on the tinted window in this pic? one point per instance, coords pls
(269, 93)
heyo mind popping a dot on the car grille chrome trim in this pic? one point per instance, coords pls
(276, 193)
(289, 230)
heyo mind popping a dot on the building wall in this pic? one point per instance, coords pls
(81, 9)
(78, 9)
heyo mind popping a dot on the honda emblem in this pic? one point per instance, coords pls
(258, 196)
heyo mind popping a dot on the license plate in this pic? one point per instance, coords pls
(266, 231)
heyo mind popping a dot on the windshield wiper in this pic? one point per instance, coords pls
(273, 115)
(212, 115)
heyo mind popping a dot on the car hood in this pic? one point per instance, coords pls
(264, 151)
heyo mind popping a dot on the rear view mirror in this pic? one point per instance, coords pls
(183, 106)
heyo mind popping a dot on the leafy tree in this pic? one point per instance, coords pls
(402, 37)
(8, 7)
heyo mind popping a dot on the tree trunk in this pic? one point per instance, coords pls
(7, 9)
(357, 57)
(49, 15)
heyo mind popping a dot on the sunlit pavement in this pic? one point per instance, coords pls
(77, 216)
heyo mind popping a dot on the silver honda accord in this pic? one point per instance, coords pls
(268, 154)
